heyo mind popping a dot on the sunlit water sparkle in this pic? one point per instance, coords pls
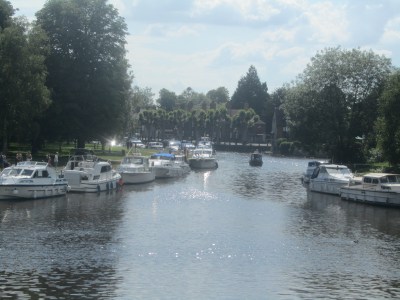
(237, 232)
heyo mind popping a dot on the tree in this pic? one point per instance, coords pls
(88, 71)
(357, 73)
(219, 96)
(23, 94)
(167, 100)
(139, 99)
(243, 120)
(250, 93)
(325, 105)
(388, 123)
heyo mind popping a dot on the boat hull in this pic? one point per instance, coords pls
(370, 196)
(255, 163)
(168, 171)
(78, 185)
(32, 191)
(326, 187)
(138, 177)
(203, 163)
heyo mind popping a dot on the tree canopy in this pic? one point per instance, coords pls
(88, 71)
(251, 93)
(388, 123)
(334, 100)
(23, 93)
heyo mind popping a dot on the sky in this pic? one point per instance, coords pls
(206, 44)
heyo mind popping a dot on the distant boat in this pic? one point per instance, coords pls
(256, 159)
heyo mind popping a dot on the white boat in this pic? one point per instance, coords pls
(374, 188)
(180, 160)
(164, 165)
(203, 158)
(310, 170)
(134, 168)
(329, 178)
(87, 174)
(31, 180)
(204, 142)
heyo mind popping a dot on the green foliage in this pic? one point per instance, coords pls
(250, 93)
(6, 12)
(388, 123)
(23, 94)
(88, 71)
(285, 148)
(167, 100)
(219, 96)
(335, 100)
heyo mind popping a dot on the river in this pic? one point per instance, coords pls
(238, 232)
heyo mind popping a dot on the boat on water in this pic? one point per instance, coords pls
(85, 173)
(311, 165)
(134, 169)
(256, 159)
(329, 178)
(373, 188)
(180, 160)
(165, 166)
(31, 180)
(203, 158)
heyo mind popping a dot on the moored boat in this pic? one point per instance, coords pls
(165, 166)
(31, 180)
(311, 166)
(134, 168)
(180, 160)
(329, 178)
(374, 188)
(203, 158)
(87, 174)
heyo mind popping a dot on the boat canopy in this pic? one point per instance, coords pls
(168, 156)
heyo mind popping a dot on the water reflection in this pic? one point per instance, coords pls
(202, 237)
(59, 247)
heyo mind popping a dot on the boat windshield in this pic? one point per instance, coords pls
(390, 179)
(11, 172)
(133, 160)
(341, 171)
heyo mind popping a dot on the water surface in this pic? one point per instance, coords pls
(238, 232)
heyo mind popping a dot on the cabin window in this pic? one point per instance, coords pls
(105, 169)
(392, 178)
(375, 181)
(384, 180)
(367, 180)
(27, 172)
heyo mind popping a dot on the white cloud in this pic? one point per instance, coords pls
(205, 44)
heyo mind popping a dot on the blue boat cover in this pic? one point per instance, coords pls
(167, 155)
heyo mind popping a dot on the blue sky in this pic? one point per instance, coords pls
(205, 44)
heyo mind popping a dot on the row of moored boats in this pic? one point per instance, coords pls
(372, 188)
(86, 173)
